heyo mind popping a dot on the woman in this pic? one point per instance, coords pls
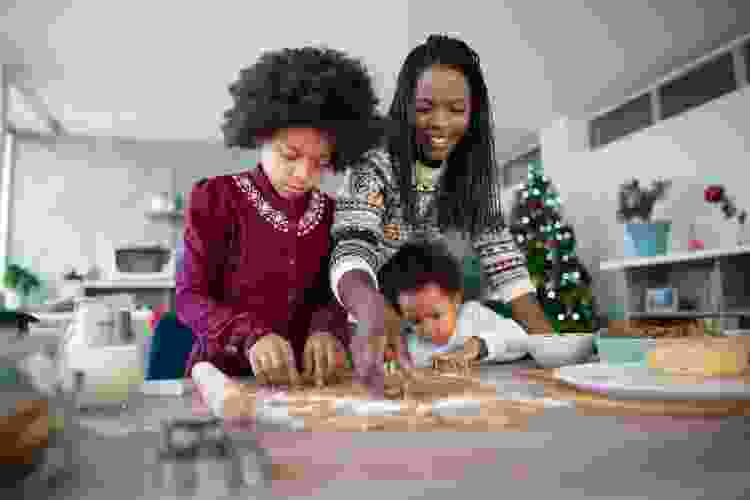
(253, 286)
(438, 179)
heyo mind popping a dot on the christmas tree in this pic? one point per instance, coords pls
(562, 283)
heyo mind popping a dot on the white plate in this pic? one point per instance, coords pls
(635, 381)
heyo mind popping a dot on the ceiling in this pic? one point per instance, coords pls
(159, 70)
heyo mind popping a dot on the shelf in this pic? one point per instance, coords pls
(688, 315)
(132, 284)
(165, 214)
(672, 258)
(673, 315)
(59, 317)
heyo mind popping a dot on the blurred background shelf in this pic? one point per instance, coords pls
(715, 282)
(170, 215)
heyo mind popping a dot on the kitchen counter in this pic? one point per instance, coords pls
(562, 455)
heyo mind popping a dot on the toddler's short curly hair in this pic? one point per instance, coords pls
(311, 87)
(417, 265)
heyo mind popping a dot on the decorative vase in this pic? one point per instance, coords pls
(13, 300)
(743, 238)
(693, 242)
(647, 239)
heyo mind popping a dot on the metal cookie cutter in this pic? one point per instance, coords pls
(196, 453)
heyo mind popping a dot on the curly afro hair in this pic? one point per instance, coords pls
(306, 87)
(417, 265)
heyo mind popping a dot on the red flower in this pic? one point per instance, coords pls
(535, 205)
(714, 194)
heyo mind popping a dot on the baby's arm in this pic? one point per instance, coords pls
(503, 338)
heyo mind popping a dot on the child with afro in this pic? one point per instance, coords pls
(253, 283)
(423, 282)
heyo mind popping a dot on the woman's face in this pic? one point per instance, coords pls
(294, 160)
(442, 109)
(433, 312)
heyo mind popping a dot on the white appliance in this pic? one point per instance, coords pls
(662, 300)
(92, 365)
(144, 262)
(93, 324)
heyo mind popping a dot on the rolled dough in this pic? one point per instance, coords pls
(432, 403)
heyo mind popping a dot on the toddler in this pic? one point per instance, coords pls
(423, 283)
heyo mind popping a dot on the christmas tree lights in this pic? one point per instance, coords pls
(562, 282)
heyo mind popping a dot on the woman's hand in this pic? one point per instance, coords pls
(378, 325)
(320, 358)
(272, 360)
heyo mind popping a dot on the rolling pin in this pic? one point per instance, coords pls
(213, 385)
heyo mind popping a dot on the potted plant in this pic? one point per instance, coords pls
(19, 283)
(643, 237)
(716, 194)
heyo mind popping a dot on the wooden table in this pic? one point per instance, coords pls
(562, 454)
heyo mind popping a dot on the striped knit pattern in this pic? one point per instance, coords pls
(369, 225)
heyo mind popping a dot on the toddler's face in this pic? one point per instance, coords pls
(433, 312)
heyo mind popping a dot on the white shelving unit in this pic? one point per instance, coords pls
(130, 284)
(163, 289)
(170, 215)
(717, 281)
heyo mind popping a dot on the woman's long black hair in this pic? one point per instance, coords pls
(469, 198)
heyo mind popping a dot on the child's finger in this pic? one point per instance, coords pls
(331, 364)
(260, 376)
(309, 360)
(320, 365)
(294, 378)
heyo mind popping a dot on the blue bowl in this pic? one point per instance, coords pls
(622, 350)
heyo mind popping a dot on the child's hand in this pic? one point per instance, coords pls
(320, 360)
(459, 360)
(272, 360)
(472, 348)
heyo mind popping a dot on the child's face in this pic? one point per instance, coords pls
(433, 311)
(295, 159)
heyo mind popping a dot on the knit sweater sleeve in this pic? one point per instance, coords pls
(358, 220)
(503, 263)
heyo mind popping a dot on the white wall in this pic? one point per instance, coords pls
(160, 70)
(708, 144)
(75, 201)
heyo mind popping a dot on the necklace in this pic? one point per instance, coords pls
(426, 178)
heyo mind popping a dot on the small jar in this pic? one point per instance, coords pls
(743, 238)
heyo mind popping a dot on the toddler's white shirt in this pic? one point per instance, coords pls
(505, 339)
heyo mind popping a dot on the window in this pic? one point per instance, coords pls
(698, 86)
(746, 53)
(632, 116)
(517, 170)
